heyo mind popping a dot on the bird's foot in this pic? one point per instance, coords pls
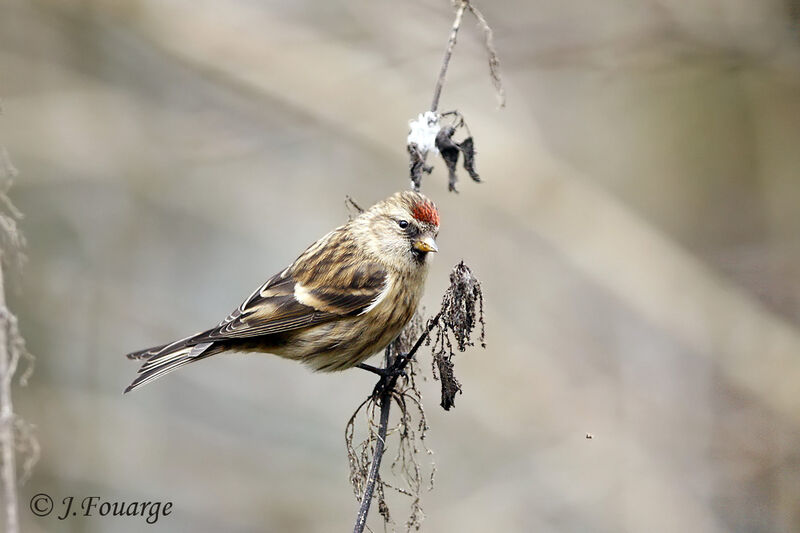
(388, 376)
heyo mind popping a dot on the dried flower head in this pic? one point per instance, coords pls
(461, 313)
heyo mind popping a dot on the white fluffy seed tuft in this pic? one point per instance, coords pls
(423, 132)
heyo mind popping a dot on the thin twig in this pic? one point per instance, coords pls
(431, 324)
(363, 511)
(494, 60)
(451, 43)
(380, 445)
(461, 312)
(424, 138)
(385, 402)
(401, 363)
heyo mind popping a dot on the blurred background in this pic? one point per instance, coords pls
(636, 235)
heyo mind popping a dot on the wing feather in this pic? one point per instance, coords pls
(320, 286)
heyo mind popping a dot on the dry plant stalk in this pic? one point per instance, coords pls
(411, 428)
(452, 327)
(16, 435)
(417, 148)
(462, 312)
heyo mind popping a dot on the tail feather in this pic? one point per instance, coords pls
(144, 354)
(147, 353)
(162, 359)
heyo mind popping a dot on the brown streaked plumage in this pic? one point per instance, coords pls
(344, 299)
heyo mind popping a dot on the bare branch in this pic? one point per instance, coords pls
(451, 43)
(351, 204)
(428, 135)
(460, 314)
(372, 478)
(494, 60)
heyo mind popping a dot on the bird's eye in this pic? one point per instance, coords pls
(402, 223)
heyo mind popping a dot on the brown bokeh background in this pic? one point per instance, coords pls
(636, 235)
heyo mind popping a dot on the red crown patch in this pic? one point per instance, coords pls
(426, 212)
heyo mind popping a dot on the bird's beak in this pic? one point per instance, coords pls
(426, 244)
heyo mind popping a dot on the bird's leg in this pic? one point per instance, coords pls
(389, 375)
(400, 363)
(398, 367)
(375, 370)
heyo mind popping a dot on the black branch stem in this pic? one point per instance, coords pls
(451, 43)
(400, 364)
(380, 445)
(385, 403)
(363, 511)
(431, 324)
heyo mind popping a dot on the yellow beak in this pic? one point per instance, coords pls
(426, 244)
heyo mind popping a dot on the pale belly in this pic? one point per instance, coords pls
(346, 342)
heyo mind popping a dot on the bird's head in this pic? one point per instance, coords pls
(402, 229)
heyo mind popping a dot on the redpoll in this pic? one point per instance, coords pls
(344, 299)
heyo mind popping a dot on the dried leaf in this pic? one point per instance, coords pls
(467, 147)
(416, 166)
(449, 151)
(460, 314)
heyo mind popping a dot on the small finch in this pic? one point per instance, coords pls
(344, 299)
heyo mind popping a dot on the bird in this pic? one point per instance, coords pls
(345, 298)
